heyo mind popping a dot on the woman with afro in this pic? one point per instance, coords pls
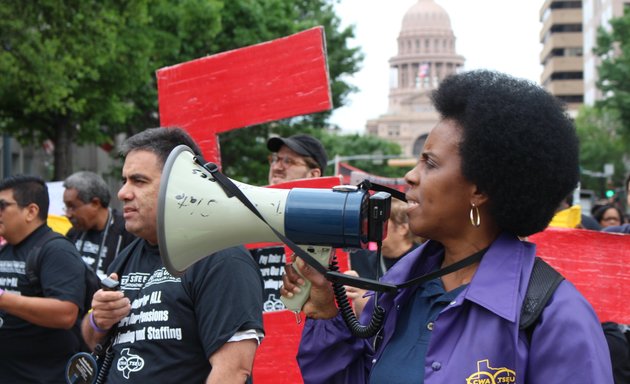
(492, 172)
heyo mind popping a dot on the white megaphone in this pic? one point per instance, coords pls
(196, 217)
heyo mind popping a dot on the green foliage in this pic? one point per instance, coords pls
(246, 158)
(82, 71)
(613, 48)
(180, 31)
(604, 129)
(600, 144)
(354, 144)
(66, 72)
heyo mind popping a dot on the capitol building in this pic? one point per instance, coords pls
(426, 55)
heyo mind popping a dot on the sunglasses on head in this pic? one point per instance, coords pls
(4, 204)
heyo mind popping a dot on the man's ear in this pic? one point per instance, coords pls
(315, 172)
(402, 228)
(96, 202)
(32, 212)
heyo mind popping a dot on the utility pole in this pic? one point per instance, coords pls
(6, 156)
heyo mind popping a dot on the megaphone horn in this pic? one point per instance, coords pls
(197, 218)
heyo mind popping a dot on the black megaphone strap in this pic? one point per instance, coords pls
(233, 191)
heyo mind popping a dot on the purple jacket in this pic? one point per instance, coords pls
(476, 338)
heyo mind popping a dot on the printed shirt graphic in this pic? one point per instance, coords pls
(487, 375)
(89, 246)
(138, 357)
(173, 326)
(271, 261)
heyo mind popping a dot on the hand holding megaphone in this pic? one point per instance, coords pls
(305, 289)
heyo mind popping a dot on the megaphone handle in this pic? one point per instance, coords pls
(295, 303)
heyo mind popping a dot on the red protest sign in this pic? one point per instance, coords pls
(278, 79)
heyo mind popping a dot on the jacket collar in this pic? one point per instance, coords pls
(500, 278)
(500, 270)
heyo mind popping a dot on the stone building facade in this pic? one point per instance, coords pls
(426, 55)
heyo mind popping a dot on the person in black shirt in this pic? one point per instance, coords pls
(203, 326)
(38, 324)
(98, 231)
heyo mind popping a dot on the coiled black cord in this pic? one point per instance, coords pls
(107, 362)
(353, 324)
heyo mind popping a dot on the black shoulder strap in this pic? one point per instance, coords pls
(542, 284)
(123, 258)
(33, 259)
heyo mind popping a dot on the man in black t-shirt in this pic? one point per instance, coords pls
(98, 231)
(36, 322)
(202, 326)
(295, 157)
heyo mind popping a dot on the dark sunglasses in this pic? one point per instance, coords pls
(4, 204)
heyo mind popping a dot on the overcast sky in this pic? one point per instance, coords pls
(493, 34)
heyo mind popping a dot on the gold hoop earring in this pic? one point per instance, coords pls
(475, 217)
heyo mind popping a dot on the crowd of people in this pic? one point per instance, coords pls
(477, 191)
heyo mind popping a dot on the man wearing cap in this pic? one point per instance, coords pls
(295, 157)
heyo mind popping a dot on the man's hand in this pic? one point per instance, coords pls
(108, 308)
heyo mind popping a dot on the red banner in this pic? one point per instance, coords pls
(595, 262)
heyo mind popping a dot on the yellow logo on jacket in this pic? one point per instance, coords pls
(487, 375)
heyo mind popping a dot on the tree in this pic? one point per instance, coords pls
(180, 30)
(80, 72)
(599, 144)
(604, 129)
(68, 70)
(613, 48)
(355, 144)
